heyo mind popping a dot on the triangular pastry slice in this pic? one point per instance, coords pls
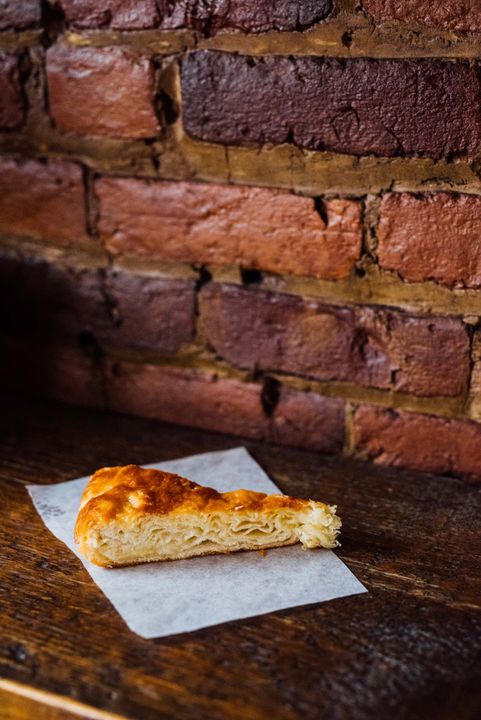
(132, 515)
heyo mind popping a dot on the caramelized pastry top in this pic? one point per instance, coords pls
(126, 493)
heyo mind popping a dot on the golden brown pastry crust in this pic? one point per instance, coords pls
(126, 495)
(134, 491)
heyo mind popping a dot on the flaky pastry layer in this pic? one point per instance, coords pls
(130, 515)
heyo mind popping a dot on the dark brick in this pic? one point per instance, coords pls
(203, 399)
(117, 14)
(187, 397)
(151, 312)
(372, 347)
(208, 16)
(253, 16)
(418, 442)
(41, 298)
(101, 91)
(359, 106)
(11, 94)
(44, 201)
(19, 14)
(308, 420)
(50, 369)
(448, 15)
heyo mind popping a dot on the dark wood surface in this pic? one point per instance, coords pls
(410, 648)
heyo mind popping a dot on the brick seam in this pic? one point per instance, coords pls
(427, 298)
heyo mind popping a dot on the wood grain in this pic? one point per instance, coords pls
(18, 701)
(410, 648)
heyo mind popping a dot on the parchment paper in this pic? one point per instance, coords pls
(161, 599)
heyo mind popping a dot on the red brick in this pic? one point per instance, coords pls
(358, 106)
(449, 15)
(203, 399)
(19, 14)
(11, 95)
(117, 14)
(101, 91)
(151, 312)
(418, 442)
(210, 16)
(373, 347)
(187, 397)
(431, 237)
(223, 224)
(51, 370)
(253, 16)
(44, 201)
(44, 299)
(308, 420)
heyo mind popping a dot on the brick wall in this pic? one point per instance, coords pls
(260, 217)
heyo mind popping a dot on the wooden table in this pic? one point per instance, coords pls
(410, 648)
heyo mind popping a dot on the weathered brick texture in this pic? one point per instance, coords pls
(44, 201)
(11, 94)
(359, 106)
(45, 299)
(101, 91)
(100, 190)
(419, 442)
(150, 311)
(308, 420)
(222, 225)
(425, 356)
(432, 237)
(19, 14)
(209, 16)
(117, 14)
(200, 399)
(449, 15)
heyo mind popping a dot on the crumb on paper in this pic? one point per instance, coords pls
(262, 552)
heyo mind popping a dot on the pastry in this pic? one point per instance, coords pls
(132, 515)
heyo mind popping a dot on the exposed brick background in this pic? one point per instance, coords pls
(117, 14)
(47, 299)
(419, 442)
(151, 312)
(305, 419)
(208, 16)
(253, 16)
(432, 237)
(377, 348)
(19, 13)
(101, 91)
(43, 201)
(359, 106)
(11, 97)
(246, 214)
(200, 399)
(445, 15)
(254, 227)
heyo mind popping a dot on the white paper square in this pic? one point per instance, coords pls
(166, 598)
